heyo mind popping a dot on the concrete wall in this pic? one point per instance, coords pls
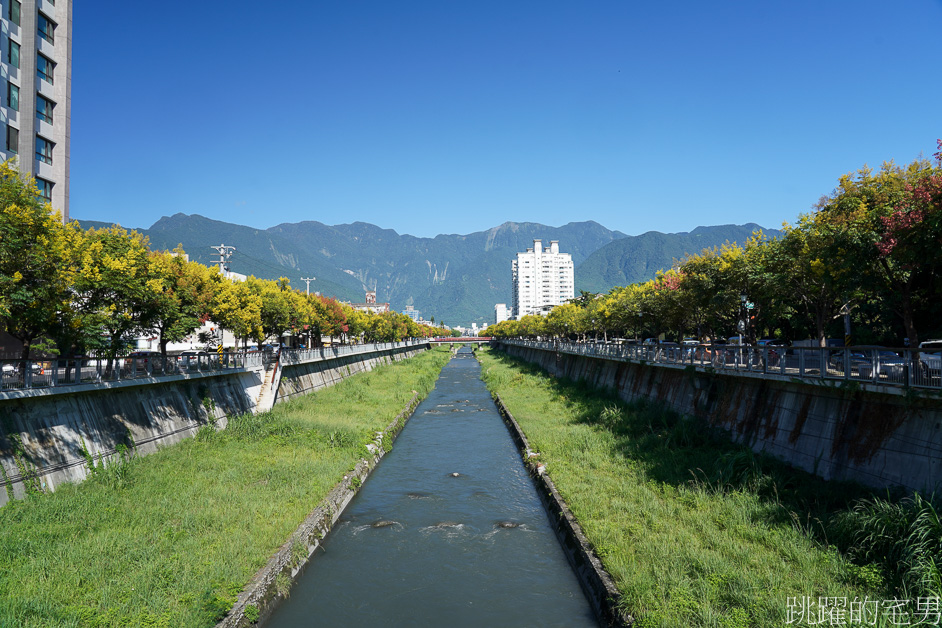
(838, 432)
(301, 379)
(43, 431)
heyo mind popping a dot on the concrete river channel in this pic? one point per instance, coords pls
(447, 531)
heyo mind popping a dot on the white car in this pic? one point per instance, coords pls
(931, 361)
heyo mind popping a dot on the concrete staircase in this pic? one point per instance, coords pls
(270, 383)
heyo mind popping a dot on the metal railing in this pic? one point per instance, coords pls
(301, 356)
(869, 365)
(59, 372)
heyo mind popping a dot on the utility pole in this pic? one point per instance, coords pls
(308, 280)
(225, 252)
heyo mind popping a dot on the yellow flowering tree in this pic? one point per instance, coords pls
(33, 278)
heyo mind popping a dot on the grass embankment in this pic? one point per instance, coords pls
(172, 538)
(698, 531)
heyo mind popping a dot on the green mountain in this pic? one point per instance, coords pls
(455, 278)
(638, 258)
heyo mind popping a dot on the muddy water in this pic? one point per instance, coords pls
(448, 531)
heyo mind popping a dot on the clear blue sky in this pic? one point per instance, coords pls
(449, 117)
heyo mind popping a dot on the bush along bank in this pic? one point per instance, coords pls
(698, 531)
(172, 539)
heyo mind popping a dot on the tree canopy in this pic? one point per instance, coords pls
(870, 248)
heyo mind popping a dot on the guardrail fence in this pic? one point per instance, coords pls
(58, 372)
(872, 365)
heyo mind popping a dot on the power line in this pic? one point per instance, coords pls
(280, 269)
(225, 252)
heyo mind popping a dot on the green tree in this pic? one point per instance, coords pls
(563, 321)
(182, 293)
(113, 296)
(276, 313)
(33, 273)
(895, 219)
(238, 309)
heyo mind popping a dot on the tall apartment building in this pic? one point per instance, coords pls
(36, 92)
(542, 279)
(500, 313)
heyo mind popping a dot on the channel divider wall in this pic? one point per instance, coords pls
(262, 593)
(597, 583)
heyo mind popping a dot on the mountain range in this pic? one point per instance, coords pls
(455, 278)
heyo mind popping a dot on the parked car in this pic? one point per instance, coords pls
(669, 351)
(871, 363)
(186, 358)
(859, 363)
(141, 360)
(690, 346)
(890, 366)
(930, 359)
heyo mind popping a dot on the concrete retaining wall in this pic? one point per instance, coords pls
(301, 379)
(43, 431)
(836, 431)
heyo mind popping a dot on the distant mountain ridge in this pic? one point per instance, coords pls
(455, 278)
(638, 258)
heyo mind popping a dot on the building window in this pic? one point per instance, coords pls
(44, 108)
(47, 28)
(13, 139)
(13, 96)
(44, 150)
(14, 13)
(13, 53)
(44, 68)
(45, 189)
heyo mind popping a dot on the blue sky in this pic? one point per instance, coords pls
(452, 117)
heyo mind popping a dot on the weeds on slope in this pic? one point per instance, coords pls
(178, 537)
(699, 531)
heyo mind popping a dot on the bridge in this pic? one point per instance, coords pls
(475, 339)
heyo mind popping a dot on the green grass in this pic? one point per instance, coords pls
(172, 538)
(698, 531)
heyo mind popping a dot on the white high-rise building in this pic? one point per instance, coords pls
(543, 278)
(500, 313)
(36, 92)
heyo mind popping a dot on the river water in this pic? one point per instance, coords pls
(421, 546)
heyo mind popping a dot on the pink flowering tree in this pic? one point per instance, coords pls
(894, 218)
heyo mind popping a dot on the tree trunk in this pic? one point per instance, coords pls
(27, 345)
(819, 321)
(163, 346)
(908, 317)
